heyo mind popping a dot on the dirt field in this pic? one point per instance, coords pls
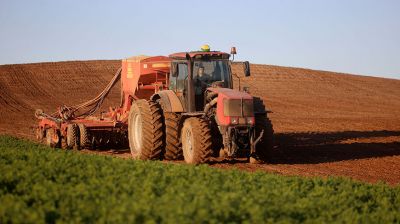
(326, 124)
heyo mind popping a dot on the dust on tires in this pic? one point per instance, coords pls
(145, 130)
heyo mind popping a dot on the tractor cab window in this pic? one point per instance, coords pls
(178, 82)
(208, 72)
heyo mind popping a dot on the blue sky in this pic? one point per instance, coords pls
(353, 36)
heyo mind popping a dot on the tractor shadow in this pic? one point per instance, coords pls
(313, 148)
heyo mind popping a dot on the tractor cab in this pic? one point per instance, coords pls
(193, 72)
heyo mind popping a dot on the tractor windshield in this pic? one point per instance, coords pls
(212, 71)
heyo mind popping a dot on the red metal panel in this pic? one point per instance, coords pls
(141, 77)
(144, 71)
(224, 93)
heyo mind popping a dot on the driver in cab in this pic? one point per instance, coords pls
(201, 79)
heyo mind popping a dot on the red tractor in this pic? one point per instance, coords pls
(181, 106)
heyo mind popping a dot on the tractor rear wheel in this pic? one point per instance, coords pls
(72, 136)
(173, 145)
(263, 123)
(84, 141)
(196, 141)
(53, 138)
(145, 130)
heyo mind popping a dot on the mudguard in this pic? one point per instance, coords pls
(169, 101)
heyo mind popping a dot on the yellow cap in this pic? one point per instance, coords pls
(205, 47)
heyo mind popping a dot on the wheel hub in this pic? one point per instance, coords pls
(137, 132)
(189, 146)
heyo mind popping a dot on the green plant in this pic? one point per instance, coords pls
(42, 185)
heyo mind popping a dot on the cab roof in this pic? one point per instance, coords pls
(200, 54)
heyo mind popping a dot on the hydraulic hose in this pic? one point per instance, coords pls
(71, 112)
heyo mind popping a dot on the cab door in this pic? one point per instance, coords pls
(178, 84)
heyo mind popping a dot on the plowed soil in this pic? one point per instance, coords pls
(326, 124)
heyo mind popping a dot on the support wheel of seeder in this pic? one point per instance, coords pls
(53, 138)
(145, 130)
(72, 136)
(196, 141)
(84, 141)
(40, 134)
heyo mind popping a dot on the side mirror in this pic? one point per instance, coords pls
(246, 68)
(174, 70)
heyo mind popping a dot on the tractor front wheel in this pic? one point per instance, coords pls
(196, 141)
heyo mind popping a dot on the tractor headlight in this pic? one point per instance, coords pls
(250, 120)
(234, 120)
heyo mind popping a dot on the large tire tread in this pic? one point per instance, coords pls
(202, 139)
(173, 145)
(84, 141)
(72, 136)
(152, 124)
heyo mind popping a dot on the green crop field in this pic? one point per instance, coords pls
(43, 185)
